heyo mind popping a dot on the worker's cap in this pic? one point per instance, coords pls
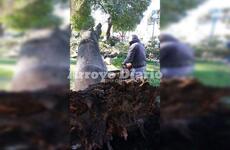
(167, 38)
(134, 37)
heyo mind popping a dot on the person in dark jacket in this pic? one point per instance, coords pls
(136, 58)
(176, 58)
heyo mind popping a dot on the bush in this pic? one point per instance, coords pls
(211, 48)
(113, 41)
(153, 48)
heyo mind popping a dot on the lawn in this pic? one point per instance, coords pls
(7, 67)
(213, 73)
(150, 64)
(151, 68)
(209, 73)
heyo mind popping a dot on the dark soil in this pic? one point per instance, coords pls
(118, 116)
(194, 116)
(123, 115)
(37, 120)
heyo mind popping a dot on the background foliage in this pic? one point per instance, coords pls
(124, 14)
(174, 10)
(29, 14)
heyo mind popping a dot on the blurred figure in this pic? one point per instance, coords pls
(176, 58)
(136, 58)
(44, 62)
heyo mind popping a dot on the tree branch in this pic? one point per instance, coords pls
(99, 3)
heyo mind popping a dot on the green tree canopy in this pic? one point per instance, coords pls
(81, 18)
(28, 14)
(174, 10)
(125, 15)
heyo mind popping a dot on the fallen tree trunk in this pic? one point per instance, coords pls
(89, 64)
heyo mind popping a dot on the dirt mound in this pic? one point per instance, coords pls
(34, 120)
(194, 116)
(189, 98)
(118, 116)
(126, 112)
(126, 115)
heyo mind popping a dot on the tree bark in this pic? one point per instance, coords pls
(108, 33)
(122, 34)
(1, 30)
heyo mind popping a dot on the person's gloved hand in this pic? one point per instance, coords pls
(128, 66)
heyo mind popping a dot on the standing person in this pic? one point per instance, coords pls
(176, 58)
(136, 58)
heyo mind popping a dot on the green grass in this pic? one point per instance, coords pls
(7, 67)
(4, 61)
(5, 73)
(213, 73)
(150, 64)
(116, 63)
(151, 67)
(209, 73)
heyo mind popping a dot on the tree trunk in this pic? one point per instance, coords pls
(108, 33)
(123, 35)
(1, 30)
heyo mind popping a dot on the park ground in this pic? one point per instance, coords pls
(208, 72)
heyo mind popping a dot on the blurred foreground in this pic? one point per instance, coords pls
(192, 116)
